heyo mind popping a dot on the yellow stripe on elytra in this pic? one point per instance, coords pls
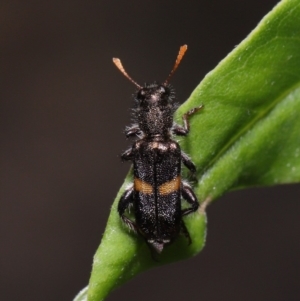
(170, 186)
(142, 186)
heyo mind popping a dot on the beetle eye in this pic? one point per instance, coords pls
(141, 94)
(164, 94)
(162, 90)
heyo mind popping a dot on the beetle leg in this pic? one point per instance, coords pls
(127, 155)
(132, 131)
(183, 130)
(179, 130)
(189, 195)
(188, 162)
(125, 201)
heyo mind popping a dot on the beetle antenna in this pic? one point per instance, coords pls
(119, 65)
(180, 55)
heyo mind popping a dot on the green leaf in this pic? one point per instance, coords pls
(248, 134)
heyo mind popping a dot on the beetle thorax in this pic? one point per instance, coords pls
(154, 110)
(155, 121)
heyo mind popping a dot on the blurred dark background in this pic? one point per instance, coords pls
(63, 110)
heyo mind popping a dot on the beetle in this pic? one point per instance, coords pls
(157, 188)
